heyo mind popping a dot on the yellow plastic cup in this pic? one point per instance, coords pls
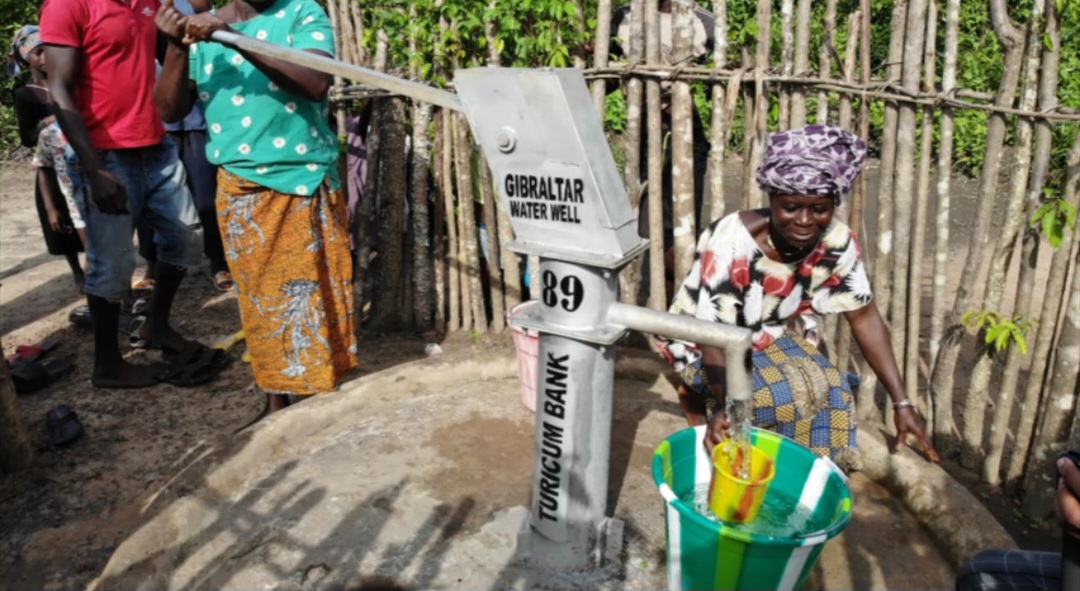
(734, 499)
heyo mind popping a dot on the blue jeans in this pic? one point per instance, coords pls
(157, 192)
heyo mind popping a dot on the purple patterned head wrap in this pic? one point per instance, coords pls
(815, 160)
(26, 40)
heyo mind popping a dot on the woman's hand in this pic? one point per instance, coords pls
(54, 222)
(717, 431)
(908, 422)
(201, 26)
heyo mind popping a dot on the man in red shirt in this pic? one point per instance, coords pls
(101, 57)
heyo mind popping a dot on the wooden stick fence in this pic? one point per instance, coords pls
(431, 252)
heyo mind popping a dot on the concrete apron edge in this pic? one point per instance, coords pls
(953, 516)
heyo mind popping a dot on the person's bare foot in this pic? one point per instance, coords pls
(126, 375)
(274, 403)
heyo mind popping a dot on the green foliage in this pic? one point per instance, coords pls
(1052, 218)
(999, 332)
(16, 14)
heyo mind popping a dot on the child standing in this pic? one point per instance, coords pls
(32, 111)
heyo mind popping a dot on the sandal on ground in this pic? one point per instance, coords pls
(31, 376)
(63, 426)
(80, 317)
(26, 353)
(140, 305)
(131, 326)
(143, 288)
(223, 281)
(195, 364)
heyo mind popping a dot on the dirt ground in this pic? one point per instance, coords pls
(63, 517)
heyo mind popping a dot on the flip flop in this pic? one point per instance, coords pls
(227, 343)
(195, 364)
(32, 376)
(223, 281)
(80, 317)
(130, 326)
(24, 353)
(63, 426)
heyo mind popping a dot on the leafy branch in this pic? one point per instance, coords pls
(999, 332)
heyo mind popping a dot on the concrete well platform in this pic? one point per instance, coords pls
(419, 476)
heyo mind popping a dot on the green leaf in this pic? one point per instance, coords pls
(1070, 214)
(1048, 43)
(1021, 343)
(1041, 213)
(1002, 341)
(1056, 232)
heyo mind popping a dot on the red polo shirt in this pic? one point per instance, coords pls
(117, 41)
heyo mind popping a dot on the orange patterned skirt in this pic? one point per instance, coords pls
(289, 256)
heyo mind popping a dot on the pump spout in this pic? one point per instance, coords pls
(733, 340)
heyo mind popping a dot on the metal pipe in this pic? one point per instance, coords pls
(733, 340)
(421, 92)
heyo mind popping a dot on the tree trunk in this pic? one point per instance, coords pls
(825, 61)
(761, 103)
(388, 309)
(657, 282)
(787, 66)
(423, 270)
(721, 121)
(453, 243)
(15, 449)
(630, 276)
(976, 401)
(682, 143)
(1052, 438)
(802, 63)
(467, 203)
(494, 261)
(439, 219)
(600, 53)
(1044, 340)
(943, 425)
(969, 296)
(366, 224)
(882, 279)
(1015, 220)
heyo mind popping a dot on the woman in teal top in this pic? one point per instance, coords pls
(282, 216)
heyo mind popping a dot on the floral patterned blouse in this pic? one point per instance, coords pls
(733, 282)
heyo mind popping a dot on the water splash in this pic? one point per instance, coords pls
(781, 516)
(740, 414)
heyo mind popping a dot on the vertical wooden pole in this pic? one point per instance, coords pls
(918, 238)
(914, 37)
(439, 219)
(944, 428)
(366, 224)
(761, 100)
(787, 65)
(630, 276)
(453, 241)
(714, 206)
(882, 278)
(682, 142)
(600, 52)
(1005, 248)
(825, 61)
(467, 203)
(802, 63)
(657, 282)
(1044, 132)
